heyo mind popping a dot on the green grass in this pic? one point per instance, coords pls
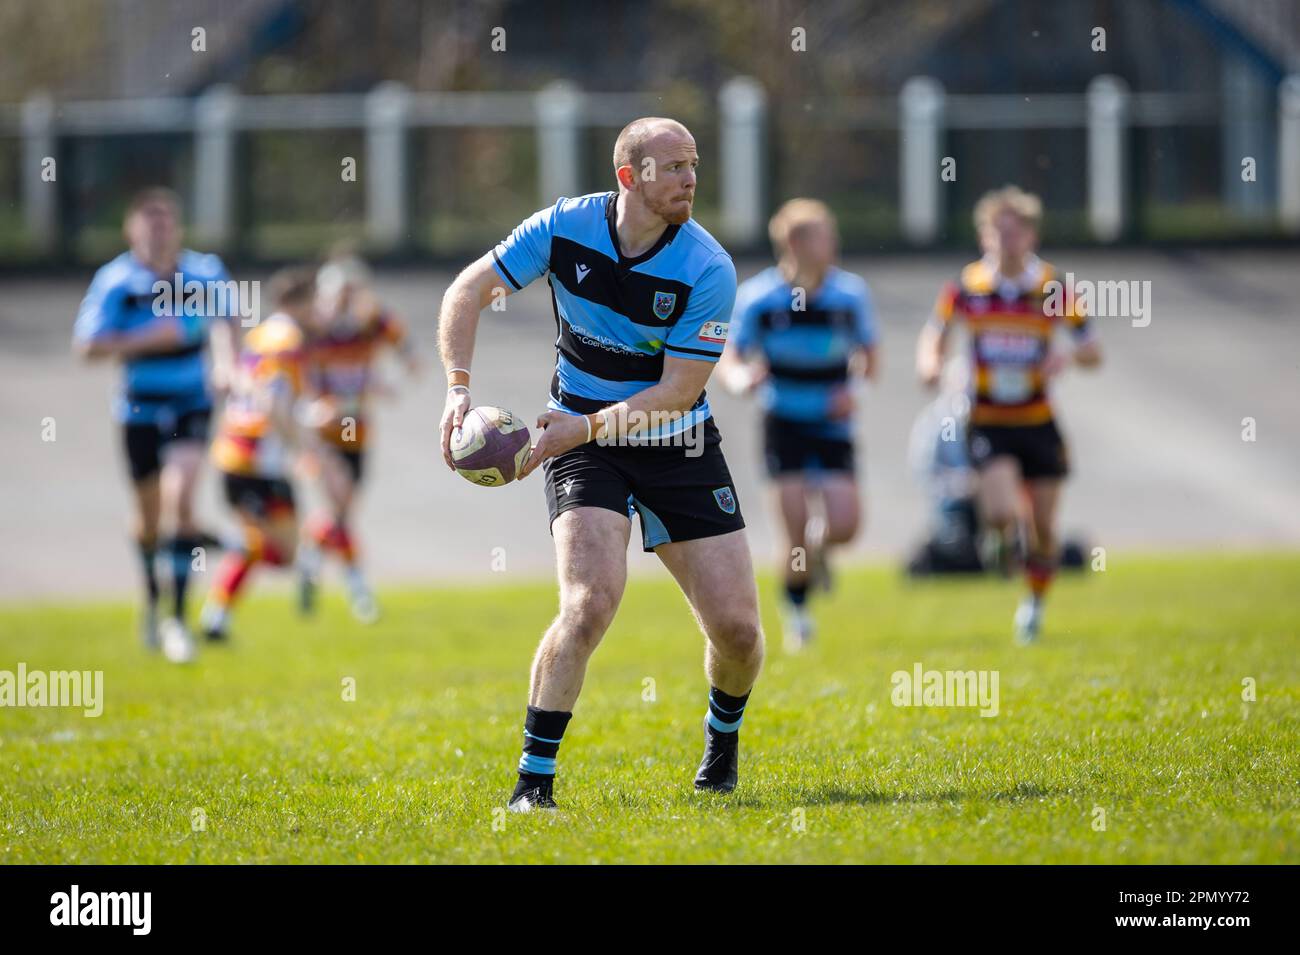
(1132, 704)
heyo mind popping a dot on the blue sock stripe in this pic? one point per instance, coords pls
(537, 765)
(713, 703)
(722, 727)
(541, 739)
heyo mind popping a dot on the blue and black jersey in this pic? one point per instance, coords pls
(807, 350)
(616, 317)
(121, 298)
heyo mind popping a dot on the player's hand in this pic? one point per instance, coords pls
(453, 415)
(929, 373)
(560, 432)
(1055, 363)
(842, 403)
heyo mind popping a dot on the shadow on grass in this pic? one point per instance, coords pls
(869, 796)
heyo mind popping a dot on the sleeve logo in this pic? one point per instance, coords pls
(715, 332)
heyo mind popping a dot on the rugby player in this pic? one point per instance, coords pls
(642, 296)
(1013, 438)
(167, 387)
(801, 329)
(255, 442)
(349, 329)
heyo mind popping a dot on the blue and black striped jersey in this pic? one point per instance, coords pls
(807, 350)
(616, 317)
(121, 298)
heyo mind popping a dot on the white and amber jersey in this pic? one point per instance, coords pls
(1011, 337)
(269, 374)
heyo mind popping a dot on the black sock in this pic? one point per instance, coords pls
(796, 594)
(726, 712)
(147, 554)
(543, 730)
(181, 549)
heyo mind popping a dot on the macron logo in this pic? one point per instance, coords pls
(582, 272)
(102, 908)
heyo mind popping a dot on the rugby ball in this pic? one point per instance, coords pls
(490, 447)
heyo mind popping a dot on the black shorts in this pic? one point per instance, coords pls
(144, 442)
(1038, 448)
(681, 493)
(354, 460)
(262, 497)
(791, 447)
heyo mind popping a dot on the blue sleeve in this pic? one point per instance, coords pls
(99, 309)
(864, 317)
(525, 254)
(744, 321)
(701, 332)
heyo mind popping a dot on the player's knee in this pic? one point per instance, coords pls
(842, 528)
(738, 635)
(586, 615)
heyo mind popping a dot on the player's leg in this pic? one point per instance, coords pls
(717, 576)
(147, 508)
(591, 557)
(790, 498)
(1040, 566)
(141, 445)
(842, 506)
(182, 462)
(999, 501)
(268, 533)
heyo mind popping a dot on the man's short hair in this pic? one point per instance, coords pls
(293, 286)
(630, 147)
(1025, 206)
(794, 215)
(153, 194)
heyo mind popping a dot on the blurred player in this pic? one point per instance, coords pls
(1013, 438)
(257, 435)
(165, 400)
(643, 298)
(808, 326)
(350, 328)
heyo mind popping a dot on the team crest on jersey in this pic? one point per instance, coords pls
(664, 302)
(726, 500)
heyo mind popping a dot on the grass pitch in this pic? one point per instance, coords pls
(1130, 715)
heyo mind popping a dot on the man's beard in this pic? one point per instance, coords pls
(671, 211)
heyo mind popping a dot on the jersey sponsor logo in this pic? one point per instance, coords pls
(715, 332)
(1004, 346)
(726, 500)
(664, 302)
(588, 337)
(582, 271)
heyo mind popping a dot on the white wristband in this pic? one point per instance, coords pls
(464, 388)
(587, 419)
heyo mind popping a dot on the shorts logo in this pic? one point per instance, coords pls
(726, 500)
(664, 302)
(715, 332)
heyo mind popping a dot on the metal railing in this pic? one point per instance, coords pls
(922, 113)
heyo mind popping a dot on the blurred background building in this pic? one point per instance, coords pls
(1135, 119)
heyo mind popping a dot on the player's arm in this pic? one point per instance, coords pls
(675, 393)
(95, 328)
(1086, 351)
(934, 337)
(691, 350)
(473, 290)
(222, 340)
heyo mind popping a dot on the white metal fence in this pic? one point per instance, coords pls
(559, 113)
